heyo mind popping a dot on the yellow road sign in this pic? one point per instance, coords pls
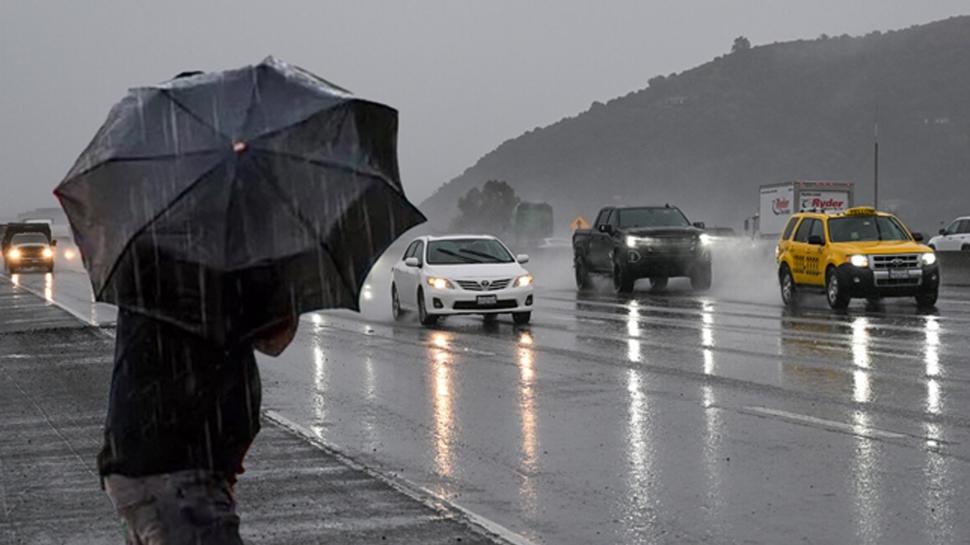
(579, 223)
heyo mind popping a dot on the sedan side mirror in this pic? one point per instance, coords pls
(700, 225)
(412, 262)
(816, 240)
(942, 231)
(522, 258)
(918, 237)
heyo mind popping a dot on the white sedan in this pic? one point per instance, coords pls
(475, 274)
(955, 237)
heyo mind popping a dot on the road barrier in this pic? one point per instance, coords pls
(955, 268)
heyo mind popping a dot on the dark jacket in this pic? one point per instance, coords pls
(177, 402)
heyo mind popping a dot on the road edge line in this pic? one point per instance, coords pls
(485, 526)
(77, 315)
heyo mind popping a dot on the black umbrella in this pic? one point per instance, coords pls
(226, 202)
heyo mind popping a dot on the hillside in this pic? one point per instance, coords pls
(708, 137)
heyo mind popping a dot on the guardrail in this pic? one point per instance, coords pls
(954, 268)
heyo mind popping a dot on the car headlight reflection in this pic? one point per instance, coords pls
(523, 281)
(439, 283)
(928, 258)
(859, 260)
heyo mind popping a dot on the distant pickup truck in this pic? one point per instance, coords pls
(655, 242)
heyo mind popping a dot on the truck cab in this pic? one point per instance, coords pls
(630, 243)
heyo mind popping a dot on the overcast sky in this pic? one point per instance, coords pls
(464, 75)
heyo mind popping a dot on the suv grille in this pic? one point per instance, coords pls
(490, 285)
(899, 261)
(896, 269)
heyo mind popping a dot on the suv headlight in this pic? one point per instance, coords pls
(523, 281)
(631, 242)
(440, 283)
(928, 258)
(14, 254)
(859, 260)
(706, 239)
(48, 253)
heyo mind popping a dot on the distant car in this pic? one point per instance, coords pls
(954, 237)
(857, 253)
(29, 250)
(473, 274)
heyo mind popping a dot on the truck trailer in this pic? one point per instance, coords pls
(777, 202)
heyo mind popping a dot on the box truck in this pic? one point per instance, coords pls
(777, 202)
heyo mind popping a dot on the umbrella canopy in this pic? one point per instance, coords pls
(224, 202)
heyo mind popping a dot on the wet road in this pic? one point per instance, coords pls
(660, 418)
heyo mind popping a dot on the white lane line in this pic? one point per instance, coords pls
(864, 431)
(409, 489)
(86, 320)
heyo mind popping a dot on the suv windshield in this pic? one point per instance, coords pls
(29, 238)
(652, 217)
(866, 228)
(467, 250)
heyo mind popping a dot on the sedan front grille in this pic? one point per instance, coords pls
(484, 285)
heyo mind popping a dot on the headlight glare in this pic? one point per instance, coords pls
(439, 283)
(13, 255)
(48, 253)
(631, 242)
(859, 260)
(928, 258)
(706, 239)
(523, 281)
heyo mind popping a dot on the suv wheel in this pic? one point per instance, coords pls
(927, 300)
(965, 248)
(396, 312)
(837, 297)
(582, 275)
(622, 282)
(700, 278)
(789, 292)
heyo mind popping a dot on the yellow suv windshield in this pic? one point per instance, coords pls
(866, 228)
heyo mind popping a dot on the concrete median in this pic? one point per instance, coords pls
(955, 268)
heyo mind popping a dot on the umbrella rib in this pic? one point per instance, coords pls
(146, 158)
(328, 163)
(183, 193)
(309, 225)
(192, 114)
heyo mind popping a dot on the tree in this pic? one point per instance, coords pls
(741, 44)
(487, 210)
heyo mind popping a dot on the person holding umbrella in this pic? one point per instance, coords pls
(214, 209)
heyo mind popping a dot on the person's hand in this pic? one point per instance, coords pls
(275, 340)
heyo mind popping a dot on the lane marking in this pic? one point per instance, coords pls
(865, 431)
(412, 490)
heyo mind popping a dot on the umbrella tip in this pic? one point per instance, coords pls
(238, 146)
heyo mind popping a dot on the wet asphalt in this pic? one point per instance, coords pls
(668, 417)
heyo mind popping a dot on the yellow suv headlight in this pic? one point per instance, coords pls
(928, 258)
(523, 281)
(859, 260)
(439, 283)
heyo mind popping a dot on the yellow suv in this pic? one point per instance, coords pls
(856, 253)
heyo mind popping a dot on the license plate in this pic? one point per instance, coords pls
(898, 273)
(487, 300)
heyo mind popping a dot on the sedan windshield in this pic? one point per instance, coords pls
(652, 217)
(467, 250)
(28, 238)
(866, 228)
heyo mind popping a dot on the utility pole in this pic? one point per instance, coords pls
(875, 169)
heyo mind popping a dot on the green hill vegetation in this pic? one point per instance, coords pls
(706, 138)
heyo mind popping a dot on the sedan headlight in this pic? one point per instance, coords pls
(928, 258)
(859, 260)
(523, 281)
(48, 253)
(13, 255)
(439, 283)
(706, 239)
